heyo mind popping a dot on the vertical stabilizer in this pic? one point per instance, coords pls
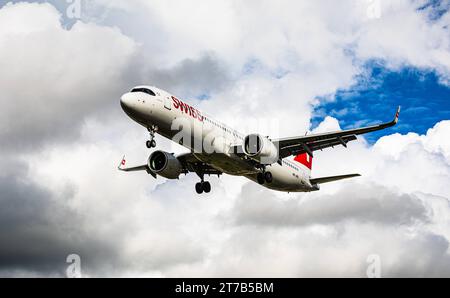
(306, 160)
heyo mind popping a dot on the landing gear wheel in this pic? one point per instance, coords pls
(203, 187)
(268, 177)
(261, 179)
(206, 187)
(199, 188)
(152, 143)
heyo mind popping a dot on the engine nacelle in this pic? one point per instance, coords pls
(165, 164)
(260, 149)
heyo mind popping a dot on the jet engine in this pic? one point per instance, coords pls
(260, 149)
(165, 164)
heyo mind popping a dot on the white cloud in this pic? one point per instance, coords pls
(405, 36)
(300, 36)
(53, 78)
(327, 233)
(315, 47)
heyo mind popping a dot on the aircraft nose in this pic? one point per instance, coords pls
(126, 101)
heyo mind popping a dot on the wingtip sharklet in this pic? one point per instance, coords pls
(397, 115)
(122, 164)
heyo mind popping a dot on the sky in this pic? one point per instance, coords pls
(282, 68)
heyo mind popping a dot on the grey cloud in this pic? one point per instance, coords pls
(48, 117)
(189, 78)
(195, 77)
(48, 89)
(53, 90)
(425, 255)
(356, 202)
(338, 251)
(38, 230)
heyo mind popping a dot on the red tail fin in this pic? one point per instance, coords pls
(305, 160)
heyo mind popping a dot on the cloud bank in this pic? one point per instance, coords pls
(63, 133)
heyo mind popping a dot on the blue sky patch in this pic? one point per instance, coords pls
(435, 8)
(377, 93)
(60, 5)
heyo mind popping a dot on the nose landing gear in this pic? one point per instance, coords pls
(152, 143)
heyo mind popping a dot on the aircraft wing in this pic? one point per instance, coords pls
(192, 164)
(332, 179)
(310, 143)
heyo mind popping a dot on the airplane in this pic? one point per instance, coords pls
(259, 158)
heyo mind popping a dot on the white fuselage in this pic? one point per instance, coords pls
(209, 139)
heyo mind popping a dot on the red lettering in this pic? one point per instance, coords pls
(182, 106)
(194, 113)
(176, 102)
(185, 108)
(199, 116)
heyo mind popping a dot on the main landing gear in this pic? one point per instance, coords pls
(203, 187)
(265, 177)
(152, 143)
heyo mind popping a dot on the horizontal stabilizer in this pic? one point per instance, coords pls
(135, 169)
(332, 179)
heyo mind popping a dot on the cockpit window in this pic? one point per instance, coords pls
(145, 90)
